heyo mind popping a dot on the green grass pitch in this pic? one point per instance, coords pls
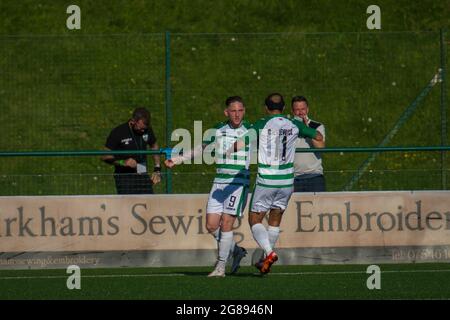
(398, 281)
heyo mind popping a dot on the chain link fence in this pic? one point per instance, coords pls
(65, 93)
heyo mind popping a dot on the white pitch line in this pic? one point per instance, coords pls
(351, 272)
(98, 276)
(183, 274)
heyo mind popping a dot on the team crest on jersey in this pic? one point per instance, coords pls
(145, 137)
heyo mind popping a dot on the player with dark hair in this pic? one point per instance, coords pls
(228, 195)
(276, 136)
(130, 171)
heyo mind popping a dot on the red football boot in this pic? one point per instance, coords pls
(268, 262)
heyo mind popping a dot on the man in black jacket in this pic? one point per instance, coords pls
(131, 171)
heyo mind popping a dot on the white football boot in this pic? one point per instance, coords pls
(219, 270)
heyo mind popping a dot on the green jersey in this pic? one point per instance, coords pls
(232, 168)
(276, 136)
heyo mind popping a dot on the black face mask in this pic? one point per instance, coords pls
(137, 131)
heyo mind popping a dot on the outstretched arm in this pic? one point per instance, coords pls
(190, 154)
(238, 145)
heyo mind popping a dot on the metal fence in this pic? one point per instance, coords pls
(65, 93)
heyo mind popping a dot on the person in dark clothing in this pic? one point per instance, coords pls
(131, 174)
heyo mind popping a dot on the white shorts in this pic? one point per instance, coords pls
(264, 199)
(227, 198)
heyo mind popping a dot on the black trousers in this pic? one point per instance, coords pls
(312, 184)
(133, 183)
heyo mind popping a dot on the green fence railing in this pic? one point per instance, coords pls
(168, 151)
(68, 92)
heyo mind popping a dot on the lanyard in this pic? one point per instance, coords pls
(139, 145)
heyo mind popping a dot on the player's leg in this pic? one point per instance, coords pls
(213, 220)
(214, 211)
(237, 252)
(273, 229)
(213, 224)
(259, 205)
(259, 231)
(226, 241)
(279, 205)
(233, 205)
(221, 199)
(273, 232)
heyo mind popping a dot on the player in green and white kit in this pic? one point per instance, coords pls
(228, 196)
(276, 135)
